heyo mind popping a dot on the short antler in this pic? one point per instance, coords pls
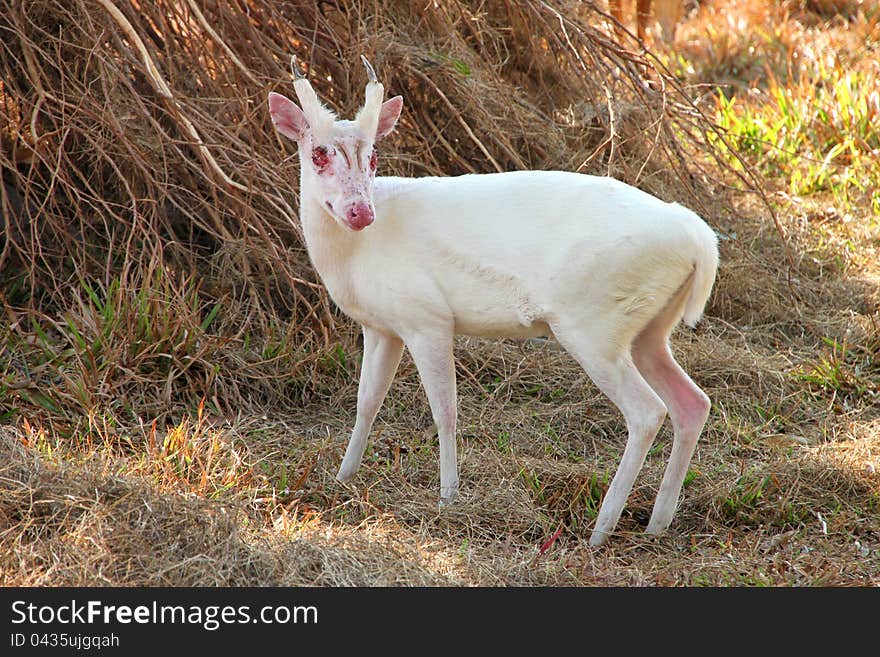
(371, 72)
(368, 117)
(318, 116)
(297, 72)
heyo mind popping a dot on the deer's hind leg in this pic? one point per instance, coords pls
(688, 406)
(616, 375)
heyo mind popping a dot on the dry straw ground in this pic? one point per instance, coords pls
(174, 381)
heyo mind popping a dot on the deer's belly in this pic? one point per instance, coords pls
(511, 317)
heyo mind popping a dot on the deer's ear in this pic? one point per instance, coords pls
(288, 119)
(388, 116)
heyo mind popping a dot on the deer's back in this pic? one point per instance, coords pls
(504, 254)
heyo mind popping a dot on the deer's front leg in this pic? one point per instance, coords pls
(432, 353)
(382, 354)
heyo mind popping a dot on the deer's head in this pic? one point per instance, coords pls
(338, 157)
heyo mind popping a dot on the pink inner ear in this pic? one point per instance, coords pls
(287, 117)
(388, 116)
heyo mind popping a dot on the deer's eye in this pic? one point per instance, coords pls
(373, 160)
(320, 158)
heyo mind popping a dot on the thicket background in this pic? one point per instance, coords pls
(174, 379)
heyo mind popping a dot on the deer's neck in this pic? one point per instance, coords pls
(329, 245)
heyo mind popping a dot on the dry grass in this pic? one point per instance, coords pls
(174, 382)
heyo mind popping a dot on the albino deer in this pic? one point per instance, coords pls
(667, 12)
(606, 269)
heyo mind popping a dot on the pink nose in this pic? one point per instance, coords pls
(360, 216)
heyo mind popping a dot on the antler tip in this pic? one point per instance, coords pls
(371, 72)
(297, 72)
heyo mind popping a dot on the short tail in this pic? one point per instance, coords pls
(704, 275)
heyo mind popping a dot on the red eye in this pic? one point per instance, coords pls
(320, 158)
(373, 160)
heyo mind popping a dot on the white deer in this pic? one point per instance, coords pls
(604, 268)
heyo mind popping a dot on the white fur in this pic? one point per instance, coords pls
(606, 269)
(321, 120)
(368, 117)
